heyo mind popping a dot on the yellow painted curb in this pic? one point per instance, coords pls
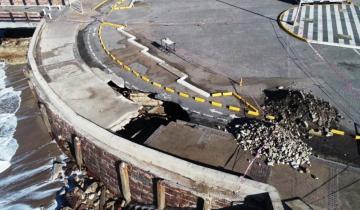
(216, 94)
(127, 68)
(100, 4)
(337, 132)
(185, 95)
(280, 22)
(136, 73)
(157, 84)
(119, 62)
(234, 108)
(227, 93)
(270, 117)
(146, 79)
(357, 137)
(170, 90)
(217, 104)
(253, 113)
(200, 100)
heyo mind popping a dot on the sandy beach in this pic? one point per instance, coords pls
(26, 183)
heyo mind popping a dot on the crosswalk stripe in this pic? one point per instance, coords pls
(329, 21)
(356, 23)
(348, 26)
(302, 23)
(306, 22)
(311, 23)
(343, 24)
(338, 24)
(315, 23)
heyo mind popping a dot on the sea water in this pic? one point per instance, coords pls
(10, 101)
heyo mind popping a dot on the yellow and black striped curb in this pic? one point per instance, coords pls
(100, 4)
(253, 113)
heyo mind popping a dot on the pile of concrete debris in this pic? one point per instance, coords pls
(302, 113)
(82, 191)
(276, 144)
(299, 115)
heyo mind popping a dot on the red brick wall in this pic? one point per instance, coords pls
(104, 167)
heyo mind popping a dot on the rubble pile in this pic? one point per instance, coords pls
(276, 144)
(302, 113)
(82, 191)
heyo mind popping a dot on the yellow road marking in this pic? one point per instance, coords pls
(227, 93)
(185, 95)
(127, 68)
(119, 62)
(253, 113)
(146, 79)
(270, 117)
(357, 137)
(170, 90)
(216, 94)
(157, 84)
(337, 132)
(135, 73)
(100, 4)
(198, 99)
(217, 104)
(234, 108)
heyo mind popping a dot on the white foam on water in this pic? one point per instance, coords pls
(10, 101)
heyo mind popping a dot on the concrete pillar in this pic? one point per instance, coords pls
(160, 188)
(124, 180)
(78, 152)
(45, 118)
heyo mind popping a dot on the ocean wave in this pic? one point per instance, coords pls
(10, 101)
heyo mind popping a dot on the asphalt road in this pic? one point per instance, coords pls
(242, 39)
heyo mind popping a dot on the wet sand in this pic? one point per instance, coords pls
(25, 183)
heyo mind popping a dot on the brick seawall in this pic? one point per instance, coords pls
(133, 171)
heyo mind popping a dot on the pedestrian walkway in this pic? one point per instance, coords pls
(328, 24)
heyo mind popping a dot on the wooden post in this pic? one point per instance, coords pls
(124, 180)
(78, 153)
(102, 198)
(207, 204)
(160, 188)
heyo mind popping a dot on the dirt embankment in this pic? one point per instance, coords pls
(14, 50)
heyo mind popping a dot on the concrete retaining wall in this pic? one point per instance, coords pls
(102, 152)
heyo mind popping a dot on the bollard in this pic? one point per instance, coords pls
(50, 17)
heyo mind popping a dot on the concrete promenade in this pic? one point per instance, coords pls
(76, 98)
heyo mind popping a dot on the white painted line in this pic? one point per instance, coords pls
(223, 119)
(348, 26)
(356, 51)
(302, 17)
(215, 111)
(197, 112)
(320, 24)
(185, 108)
(311, 24)
(329, 31)
(356, 19)
(207, 115)
(338, 23)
